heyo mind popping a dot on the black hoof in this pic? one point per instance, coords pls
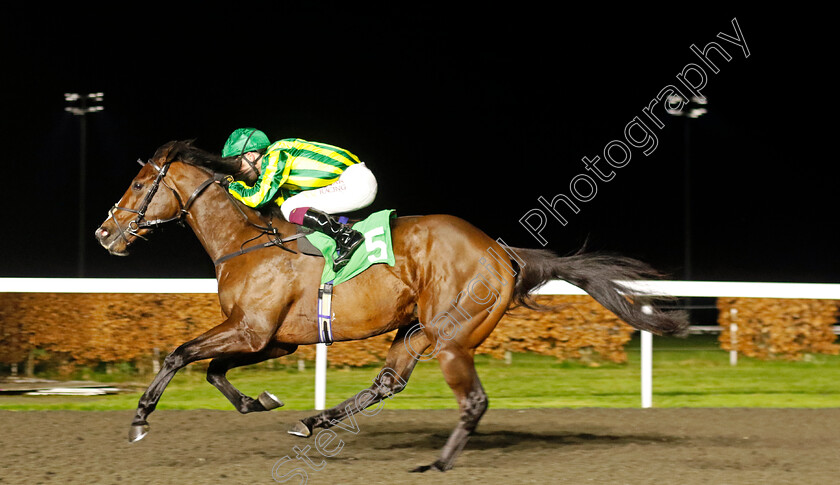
(436, 466)
(269, 401)
(300, 429)
(137, 432)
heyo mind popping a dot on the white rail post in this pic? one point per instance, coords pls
(733, 337)
(647, 369)
(320, 377)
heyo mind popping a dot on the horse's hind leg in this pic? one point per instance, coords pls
(458, 369)
(391, 379)
(218, 368)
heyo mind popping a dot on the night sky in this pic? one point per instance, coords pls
(472, 113)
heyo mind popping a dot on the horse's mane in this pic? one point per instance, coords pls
(188, 153)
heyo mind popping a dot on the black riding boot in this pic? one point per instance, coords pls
(346, 238)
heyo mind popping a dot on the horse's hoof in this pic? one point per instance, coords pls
(436, 466)
(269, 401)
(301, 430)
(137, 432)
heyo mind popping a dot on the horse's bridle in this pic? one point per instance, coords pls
(140, 221)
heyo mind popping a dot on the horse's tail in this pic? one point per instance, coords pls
(599, 275)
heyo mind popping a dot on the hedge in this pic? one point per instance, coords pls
(86, 329)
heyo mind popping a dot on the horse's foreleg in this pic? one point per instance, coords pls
(458, 369)
(217, 370)
(231, 337)
(149, 399)
(391, 379)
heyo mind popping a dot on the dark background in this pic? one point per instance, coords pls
(472, 113)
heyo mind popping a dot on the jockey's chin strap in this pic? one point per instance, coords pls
(251, 165)
(243, 153)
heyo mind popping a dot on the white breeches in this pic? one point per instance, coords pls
(354, 190)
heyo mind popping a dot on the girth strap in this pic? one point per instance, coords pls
(325, 293)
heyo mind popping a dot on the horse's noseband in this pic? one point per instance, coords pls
(135, 226)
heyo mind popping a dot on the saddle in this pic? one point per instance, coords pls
(306, 247)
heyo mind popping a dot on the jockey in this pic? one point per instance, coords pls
(307, 180)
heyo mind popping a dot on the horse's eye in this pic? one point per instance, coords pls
(137, 186)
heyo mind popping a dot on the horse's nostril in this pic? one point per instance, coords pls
(101, 232)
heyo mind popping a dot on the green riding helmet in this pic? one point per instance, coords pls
(244, 140)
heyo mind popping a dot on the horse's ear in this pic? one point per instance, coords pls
(178, 149)
(165, 152)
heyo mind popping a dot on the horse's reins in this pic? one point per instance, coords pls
(139, 222)
(275, 238)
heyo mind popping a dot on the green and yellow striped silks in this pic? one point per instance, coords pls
(291, 166)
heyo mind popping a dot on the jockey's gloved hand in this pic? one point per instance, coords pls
(224, 180)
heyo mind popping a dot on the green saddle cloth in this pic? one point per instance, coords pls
(376, 249)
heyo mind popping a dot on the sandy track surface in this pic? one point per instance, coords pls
(625, 446)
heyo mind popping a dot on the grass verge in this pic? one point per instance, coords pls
(691, 372)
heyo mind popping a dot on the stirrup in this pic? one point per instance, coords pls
(346, 252)
(346, 238)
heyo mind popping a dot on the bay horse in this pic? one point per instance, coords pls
(449, 287)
